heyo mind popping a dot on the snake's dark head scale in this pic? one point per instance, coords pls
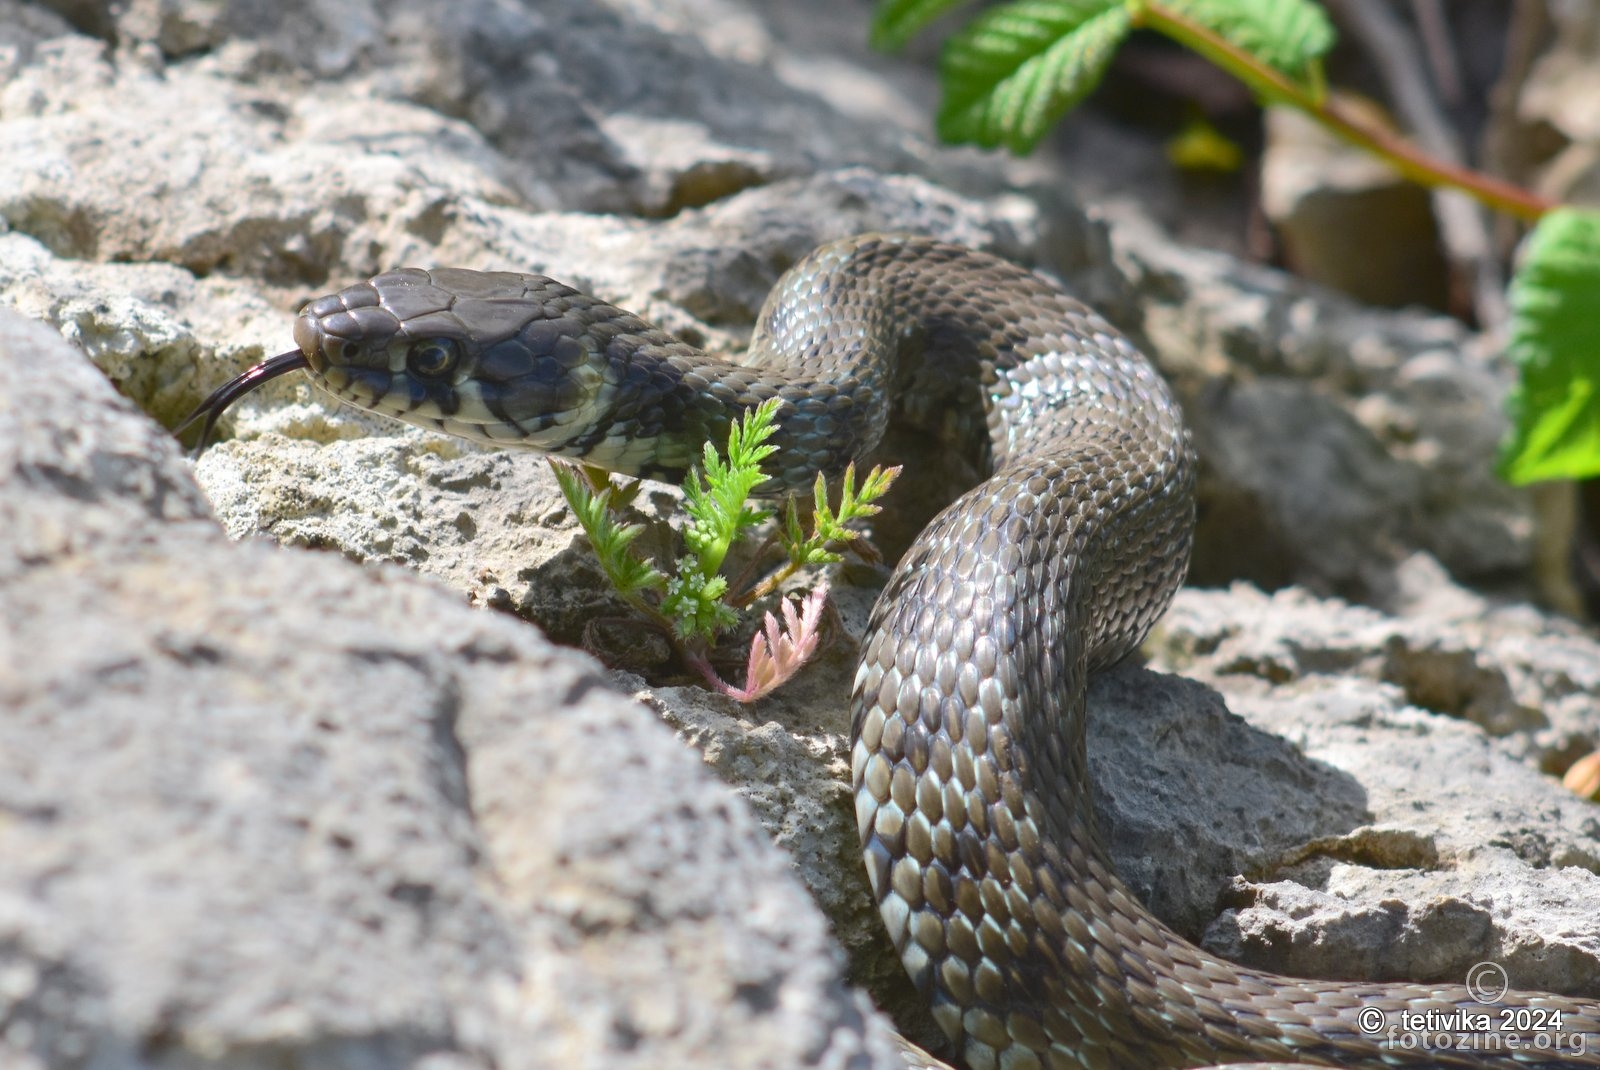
(499, 357)
(521, 360)
(968, 757)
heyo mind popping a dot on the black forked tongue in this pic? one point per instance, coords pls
(225, 395)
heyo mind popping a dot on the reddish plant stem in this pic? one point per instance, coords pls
(1276, 86)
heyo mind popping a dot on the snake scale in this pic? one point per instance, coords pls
(968, 756)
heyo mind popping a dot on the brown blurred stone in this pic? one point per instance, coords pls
(1347, 219)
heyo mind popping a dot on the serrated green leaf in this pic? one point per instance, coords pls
(1016, 69)
(1555, 342)
(716, 492)
(793, 535)
(895, 22)
(1290, 35)
(611, 539)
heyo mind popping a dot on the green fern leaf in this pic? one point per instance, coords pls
(1016, 69)
(1290, 35)
(716, 493)
(895, 22)
(1555, 341)
(611, 539)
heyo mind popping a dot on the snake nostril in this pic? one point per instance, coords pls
(309, 337)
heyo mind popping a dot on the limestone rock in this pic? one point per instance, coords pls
(1467, 853)
(334, 796)
(268, 806)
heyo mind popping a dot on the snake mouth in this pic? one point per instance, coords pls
(225, 395)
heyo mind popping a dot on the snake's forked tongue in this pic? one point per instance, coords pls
(225, 395)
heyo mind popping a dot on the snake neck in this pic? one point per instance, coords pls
(973, 796)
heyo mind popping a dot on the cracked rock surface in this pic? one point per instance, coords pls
(1443, 720)
(363, 825)
(260, 804)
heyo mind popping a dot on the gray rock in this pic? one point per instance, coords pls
(297, 769)
(267, 806)
(1527, 680)
(1346, 218)
(1468, 852)
(1336, 441)
(428, 152)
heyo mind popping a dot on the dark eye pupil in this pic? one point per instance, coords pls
(432, 358)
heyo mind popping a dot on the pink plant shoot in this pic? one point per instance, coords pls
(777, 654)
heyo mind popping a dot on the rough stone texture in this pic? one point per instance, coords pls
(177, 176)
(302, 146)
(1526, 679)
(268, 807)
(1429, 715)
(1336, 440)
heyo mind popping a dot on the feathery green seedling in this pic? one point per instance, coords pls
(595, 507)
(828, 529)
(696, 603)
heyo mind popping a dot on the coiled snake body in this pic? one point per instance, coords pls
(972, 793)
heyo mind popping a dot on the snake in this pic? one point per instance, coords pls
(968, 756)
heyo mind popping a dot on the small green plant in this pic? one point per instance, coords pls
(1017, 68)
(697, 603)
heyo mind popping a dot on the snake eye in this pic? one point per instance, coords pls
(432, 358)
